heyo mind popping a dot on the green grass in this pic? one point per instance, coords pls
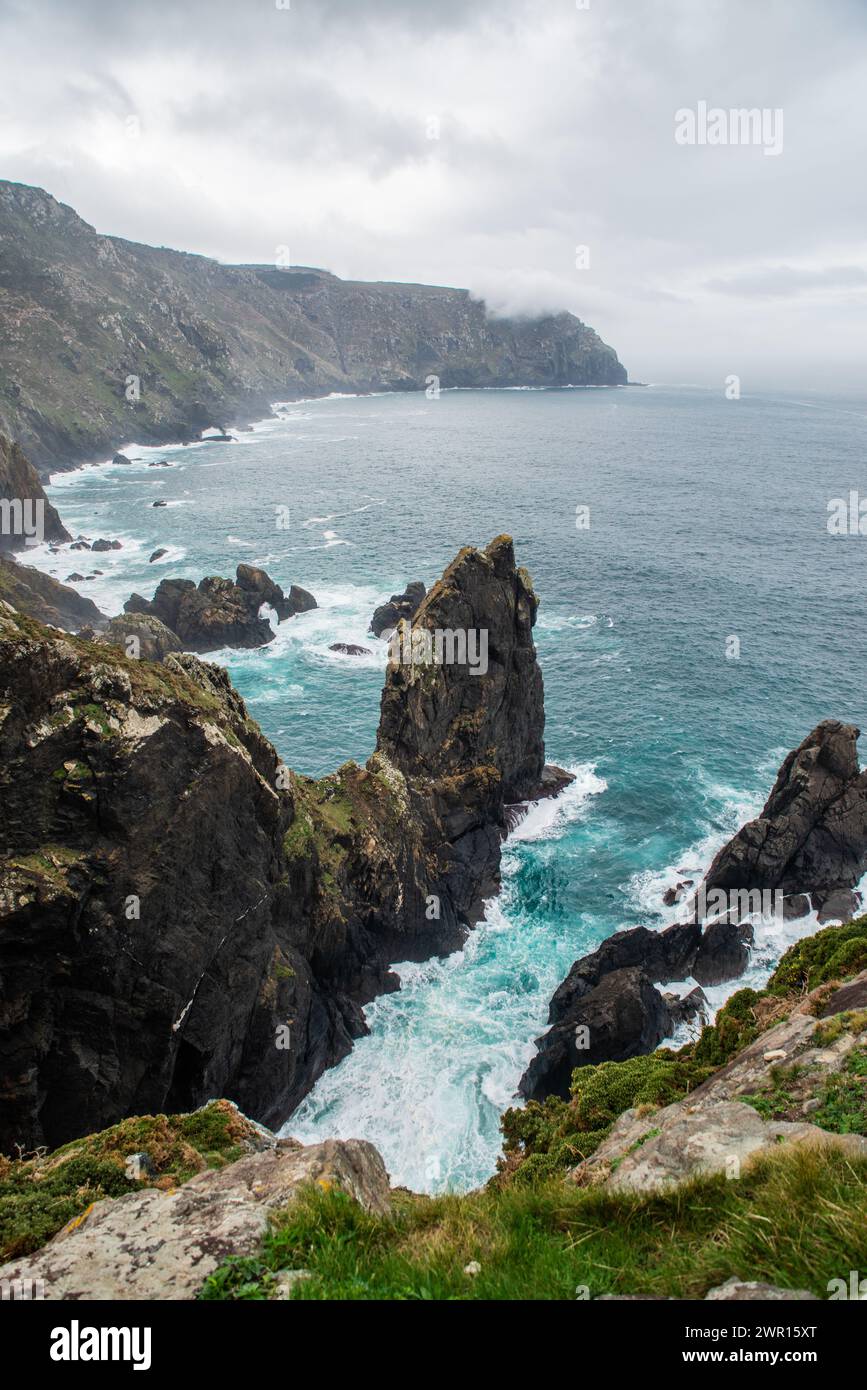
(797, 1218)
(40, 1195)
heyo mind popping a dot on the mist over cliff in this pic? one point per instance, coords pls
(104, 340)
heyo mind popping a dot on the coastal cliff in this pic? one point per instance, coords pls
(181, 916)
(104, 340)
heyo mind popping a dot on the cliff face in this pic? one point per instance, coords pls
(81, 313)
(181, 916)
(25, 512)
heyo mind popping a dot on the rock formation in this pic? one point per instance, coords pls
(25, 511)
(215, 345)
(811, 837)
(809, 844)
(37, 595)
(387, 616)
(221, 612)
(181, 916)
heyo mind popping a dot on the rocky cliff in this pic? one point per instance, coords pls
(181, 916)
(103, 340)
(26, 515)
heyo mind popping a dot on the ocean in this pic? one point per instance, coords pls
(696, 630)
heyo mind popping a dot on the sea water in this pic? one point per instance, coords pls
(696, 630)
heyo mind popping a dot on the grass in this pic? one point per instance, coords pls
(797, 1218)
(39, 1195)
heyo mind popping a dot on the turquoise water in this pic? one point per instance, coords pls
(707, 521)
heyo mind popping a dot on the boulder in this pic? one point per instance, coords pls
(155, 640)
(158, 555)
(106, 545)
(121, 458)
(387, 616)
(163, 1245)
(349, 649)
(738, 1291)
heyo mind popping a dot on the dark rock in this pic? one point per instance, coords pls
(300, 601)
(811, 836)
(27, 513)
(75, 578)
(723, 952)
(121, 458)
(80, 545)
(106, 545)
(163, 463)
(158, 555)
(161, 503)
(219, 612)
(848, 997)
(37, 595)
(795, 905)
(686, 1009)
(624, 1016)
(349, 649)
(405, 605)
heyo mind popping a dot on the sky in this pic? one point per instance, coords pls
(535, 151)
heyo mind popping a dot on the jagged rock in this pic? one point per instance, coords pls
(723, 952)
(349, 649)
(160, 503)
(158, 1245)
(442, 721)
(37, 595)
(80, 545)
(155, 640)
(106, 545)
(387, 616)
(75, 578)
(25, 511)
(737, 1291)
(300, 600)
(121, 458)
(811, 837)
(158, 555)
(623, 1016)
(220, 612)
(268, 906)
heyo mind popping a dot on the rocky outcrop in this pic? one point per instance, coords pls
(215, 345)
(722, 1124)
(811, 837)
(181, 916)
(155, 1244)
(387, 616)
(142, 635)
(37, 595)
(26, 516)
(808, 845)
(221, 612)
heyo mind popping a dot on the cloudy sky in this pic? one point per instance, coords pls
(480, 144)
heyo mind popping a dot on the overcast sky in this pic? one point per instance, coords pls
(236, 129)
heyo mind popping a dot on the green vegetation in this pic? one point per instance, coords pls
(832, 954)
(796, 1218)
(843, 1106)
(41, 1194)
